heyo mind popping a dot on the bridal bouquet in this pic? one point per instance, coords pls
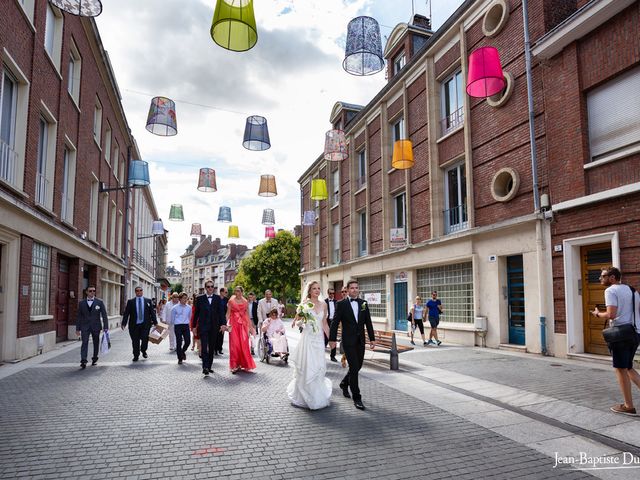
(305, 312)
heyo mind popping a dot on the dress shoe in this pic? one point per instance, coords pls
(253, 352)
(334, 359)
(220, 352)
(83, 365)
(184, 356)
(94, 362)
(205, 371)
(180, 362)
(345, 390)
(358, 404)
(144, 354)
(135, 359)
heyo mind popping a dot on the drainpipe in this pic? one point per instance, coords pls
(534, 176)
(127, 198)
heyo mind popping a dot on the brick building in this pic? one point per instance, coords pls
(63, 132)
(462, 220)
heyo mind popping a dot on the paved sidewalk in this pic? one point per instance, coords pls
(156, 419)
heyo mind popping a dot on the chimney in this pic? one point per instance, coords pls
(232, 251)
(421, 21)
(194, 241)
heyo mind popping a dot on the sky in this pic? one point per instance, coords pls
(292, 77)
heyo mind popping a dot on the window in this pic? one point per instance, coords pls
(93, 210)
(27, 6)
(119, 235)
(41, 172)
(336, 243)
(74, 72)
(398, 62)
(397, 131)
(455, 214)
(68, 184)
(112, 236)
(39, 279)
(362, 234)
(335, 182)
(105, 220)
(97, 122)
(613, 109)
(374, 290)
(399, 230)
(107, 144)
(452, 94)
(362, 168)
(53, 34)
(316, 250)
(454, 284)
(118, 167)
(8, 100)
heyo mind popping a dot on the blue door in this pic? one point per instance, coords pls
(400, 306)
(515, 289)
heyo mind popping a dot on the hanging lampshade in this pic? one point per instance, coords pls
(485, 76)
(319, 189)
(268, 217)
(224, 214)
(138, 173)
(402, 154)
(256, 134)
(196, 229)
(162, 117)
(269, 232)
(267, 186)
(308, 218)
(80, 8)
(157, 228)
(207, 180)
(363, 54)
(234, 25)
(175, 214)
(234, 232)
(335, 146)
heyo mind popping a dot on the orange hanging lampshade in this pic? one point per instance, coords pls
(267, 186)
(402, 154)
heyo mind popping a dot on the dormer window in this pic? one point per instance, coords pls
(399, 61)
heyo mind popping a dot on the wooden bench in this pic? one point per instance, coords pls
(384, 340)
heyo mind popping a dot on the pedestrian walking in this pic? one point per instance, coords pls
(331, 308)
(252, 311)
(240, 326)
(224, 298)
(90, 311)
(208, 322)
(180, 319)
(139, 314)
(435, 310)
(623, 308)
(166, 318)
(417, 316)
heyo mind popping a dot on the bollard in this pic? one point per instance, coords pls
(394, 363)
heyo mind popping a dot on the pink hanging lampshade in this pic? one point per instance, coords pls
(485, 77)
(196, 229)
(207, 180)
(335, 146)
(269, 232)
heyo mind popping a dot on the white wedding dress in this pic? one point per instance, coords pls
(309, 387)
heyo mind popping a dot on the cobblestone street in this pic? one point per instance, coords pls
(155, 419)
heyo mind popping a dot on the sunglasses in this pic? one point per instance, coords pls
(91, 290)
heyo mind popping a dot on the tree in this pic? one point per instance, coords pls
(176, 287)
(273, 265)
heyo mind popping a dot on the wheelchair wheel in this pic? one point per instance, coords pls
(261, 349)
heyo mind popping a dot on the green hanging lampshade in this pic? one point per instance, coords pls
(234, 25)
(175, 214)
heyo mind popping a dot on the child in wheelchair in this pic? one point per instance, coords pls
(274, 337)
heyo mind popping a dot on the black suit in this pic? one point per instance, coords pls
(207, 319)
(139, 332)
(353, 340)
(253, 314)
(88, 323)
(223, 313)
(329, 320)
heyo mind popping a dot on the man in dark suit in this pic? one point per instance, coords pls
(353, 314)
(139, 314)
(331, 311)
(252, 308)
(209, 321)
(90, 311)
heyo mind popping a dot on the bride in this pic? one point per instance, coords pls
(309, 387)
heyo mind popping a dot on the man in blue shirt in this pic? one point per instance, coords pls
(139, 314)
(435, 309)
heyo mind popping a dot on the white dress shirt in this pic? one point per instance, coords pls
(354, 307)
(181, 314)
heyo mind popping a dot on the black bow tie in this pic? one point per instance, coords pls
(210, 297)
(353, 299)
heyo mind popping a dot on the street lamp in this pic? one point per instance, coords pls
(157, 229)
(138, 177)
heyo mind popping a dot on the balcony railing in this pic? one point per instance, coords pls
(8, 159)
(41, 189)
(452, 121)
(455, 219)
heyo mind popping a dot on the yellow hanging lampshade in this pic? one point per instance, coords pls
(402, 154)
(234, 232)
(319, 189)
(234, 25)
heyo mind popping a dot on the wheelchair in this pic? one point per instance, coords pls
(265, 349)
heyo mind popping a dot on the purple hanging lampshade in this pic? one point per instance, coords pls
(80, 8)
(256, 134)
(269, 232)
(268, 217)
(363, 54)
(309, 218)
(162, 117)
(485, 77)
(335, 146)
(207, 180)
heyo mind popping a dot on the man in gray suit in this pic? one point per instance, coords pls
(90, 311)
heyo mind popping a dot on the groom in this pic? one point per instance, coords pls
(353, 313)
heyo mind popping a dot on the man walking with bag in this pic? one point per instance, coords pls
(90, 311)
(142, 314)
(623, 314)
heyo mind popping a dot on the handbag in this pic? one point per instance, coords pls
(622, 333)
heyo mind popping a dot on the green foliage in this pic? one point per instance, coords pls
(176, 287)
(274, 265)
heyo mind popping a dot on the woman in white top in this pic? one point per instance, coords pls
(417, 317)
(180, 319)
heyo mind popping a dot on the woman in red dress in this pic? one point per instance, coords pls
(239, 325)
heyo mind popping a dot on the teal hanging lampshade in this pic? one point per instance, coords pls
(224, 215)
(175, 214)
(138, 173)
(234, 25)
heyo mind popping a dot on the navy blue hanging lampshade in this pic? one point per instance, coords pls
(256, 134)
(363, 53)
(138, 173)
(224, 215)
